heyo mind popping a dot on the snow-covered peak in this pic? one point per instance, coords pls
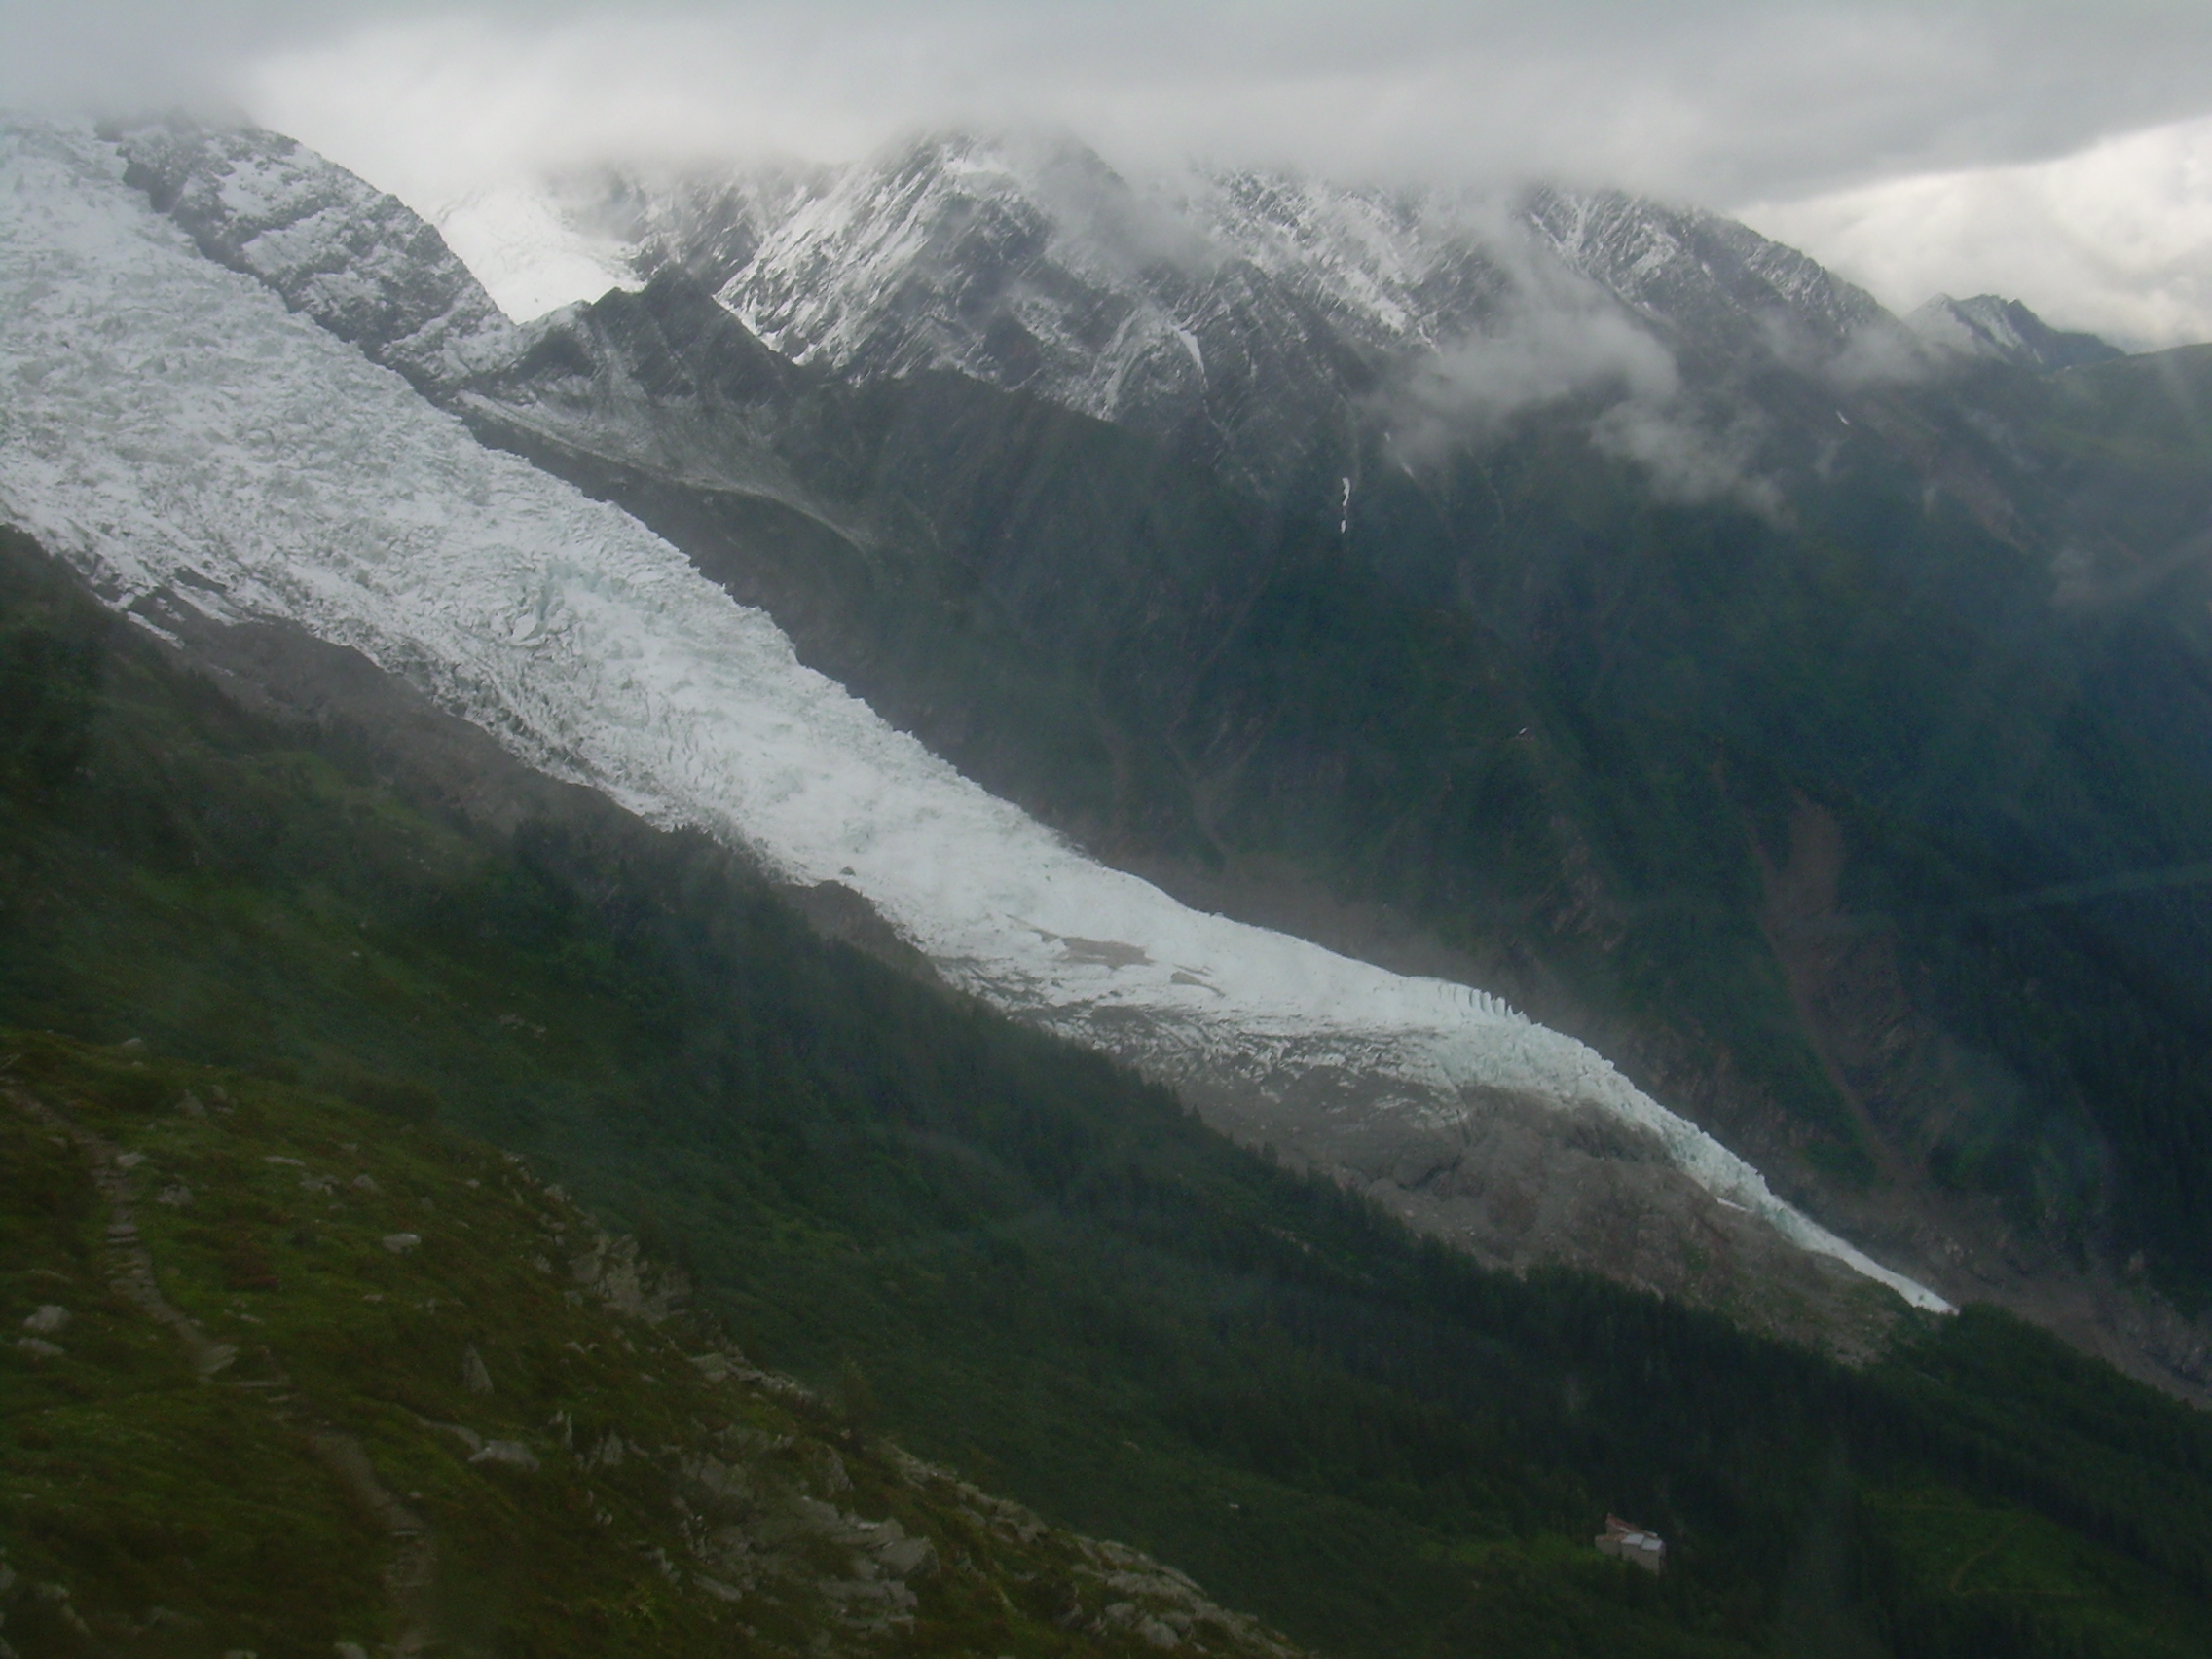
(360, 262)
(927, 253)
(1701, 276)
(1247, 314)
(1240, 309)
(2006, 330)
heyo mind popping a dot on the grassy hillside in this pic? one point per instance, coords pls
(1010, 1257)
(304, 1378)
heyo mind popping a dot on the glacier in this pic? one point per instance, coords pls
(183, 439)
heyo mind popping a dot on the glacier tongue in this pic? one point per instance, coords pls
(172, 429)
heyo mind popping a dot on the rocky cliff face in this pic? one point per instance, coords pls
(1707, 283)
(1255, 316)
(360, 262)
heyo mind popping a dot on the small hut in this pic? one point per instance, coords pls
(1624, 1540)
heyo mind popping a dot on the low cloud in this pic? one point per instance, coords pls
(1921, 144)
(1715, 100)
(1558, 342)
(1540, 354)
(1686, 460)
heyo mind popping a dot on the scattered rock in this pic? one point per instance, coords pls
(475, 1377)
(50, 1317)
(468, 1437)
(128, 1160)
(280, 1158)
(348, 1650)
(909, 1558)
(367, 1183)
(190, 1105)
(399, 1243)
(39, 1348)
(132, 1046)
(613, 1271)
(176, 1195)
(512, 1453)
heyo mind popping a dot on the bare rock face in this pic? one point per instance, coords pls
(1705, 279)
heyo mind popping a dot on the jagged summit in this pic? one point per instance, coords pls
(1238, 308)
(1991, 326)
(1254, 317)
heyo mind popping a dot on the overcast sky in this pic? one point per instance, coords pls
(2058, 152)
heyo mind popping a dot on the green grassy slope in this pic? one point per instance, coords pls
(307, 1377)
(1014, 1258)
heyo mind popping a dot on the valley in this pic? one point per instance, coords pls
(1193, 919)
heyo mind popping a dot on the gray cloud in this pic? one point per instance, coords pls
(1721, 100)
(1718, 101)
(1558, 341)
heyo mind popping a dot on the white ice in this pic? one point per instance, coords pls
(171, 428)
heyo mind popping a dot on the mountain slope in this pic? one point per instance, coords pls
(1520, 715)
(1018, 1260)
(335, 1392)
(1943, 617)
(355, 260)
